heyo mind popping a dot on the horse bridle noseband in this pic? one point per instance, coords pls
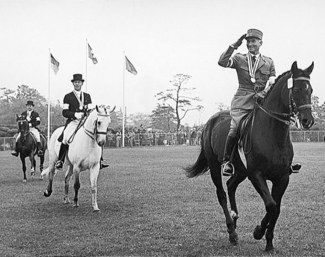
(294, 110)
(92, 134)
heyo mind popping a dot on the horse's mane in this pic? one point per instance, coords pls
(278, 79)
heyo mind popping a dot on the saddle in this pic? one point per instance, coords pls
(244, 126)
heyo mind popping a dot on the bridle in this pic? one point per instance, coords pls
(93, 133)
(292, 116)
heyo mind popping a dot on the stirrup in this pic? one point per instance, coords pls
(14, 153)
(295, 168)
(103, 165)
(59, 164)
(223, 169)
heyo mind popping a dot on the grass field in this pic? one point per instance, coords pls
(149, 208)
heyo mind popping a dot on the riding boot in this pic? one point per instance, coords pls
(39, 149)
(103, 164)
(227, 167)
(15, 152)
(63, 150)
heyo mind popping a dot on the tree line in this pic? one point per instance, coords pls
(172, 107)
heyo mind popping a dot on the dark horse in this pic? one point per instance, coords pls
(267, 151)
(27, 146)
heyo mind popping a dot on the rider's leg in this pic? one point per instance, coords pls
(38, 140)
(15, 152)
(63, 150)
(227, 167)
(103, 163)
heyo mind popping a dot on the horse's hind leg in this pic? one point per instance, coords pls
(67, 178)
(215, 171)
(33, 165)
(94, 171)
(232, 185)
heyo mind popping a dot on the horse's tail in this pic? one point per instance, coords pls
(199, 167)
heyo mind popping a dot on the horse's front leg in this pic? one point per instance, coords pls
(261, 187)
(51, 173)
(278, 189)
(94, 171)
(67, 178)
(76, 187)
(22, 158)
(33, 164)
(41, 167)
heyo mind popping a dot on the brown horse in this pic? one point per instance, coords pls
(27, 146)
(267, 151)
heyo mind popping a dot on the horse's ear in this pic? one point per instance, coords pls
(17, 117)
(97, 108)
(294, 67)
(310, 69)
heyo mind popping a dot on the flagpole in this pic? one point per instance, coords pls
(86, 65)
(49, 103)
(123, 108)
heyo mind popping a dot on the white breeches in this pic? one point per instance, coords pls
(69, 130)
(35, 133)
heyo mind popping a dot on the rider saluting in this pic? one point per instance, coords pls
(34, 120)
(256, 73)
(75, 104)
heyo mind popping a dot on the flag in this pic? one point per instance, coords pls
(130, 67)
(91, 55)
(55, 64)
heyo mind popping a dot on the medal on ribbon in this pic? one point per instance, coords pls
(252, 69)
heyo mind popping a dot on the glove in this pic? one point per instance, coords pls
(78, 115)
(259, 97)
(239, 42)
(28, 119)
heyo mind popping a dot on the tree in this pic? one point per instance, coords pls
(163, 118)
(179, 97)
(318, 113)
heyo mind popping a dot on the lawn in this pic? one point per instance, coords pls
(150, 208)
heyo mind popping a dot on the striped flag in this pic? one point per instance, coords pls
(91, 55)
(55, 64)
(130, 67)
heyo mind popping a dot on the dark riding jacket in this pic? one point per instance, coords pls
(35, 120)
(73, 103)
(243, 98)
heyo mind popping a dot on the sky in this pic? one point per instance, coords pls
(161, 39)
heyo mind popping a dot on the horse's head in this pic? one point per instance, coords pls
(23, 125)
(101, 119)
(301, 92)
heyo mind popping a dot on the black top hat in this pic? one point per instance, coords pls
(30, 103)
(77, 77)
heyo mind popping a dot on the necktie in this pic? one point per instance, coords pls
(253, 60)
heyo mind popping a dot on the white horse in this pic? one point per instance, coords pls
(85, 149)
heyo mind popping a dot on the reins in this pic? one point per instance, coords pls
(287, 118)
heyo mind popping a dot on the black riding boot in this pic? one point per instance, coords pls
(39, 149)
(227, 167)
(103, 163)
(63, 150)
(15, 152)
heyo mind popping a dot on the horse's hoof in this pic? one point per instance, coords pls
(75, 205)
(47, 193)
(66, 200)
(258, 232)
(269, 248)
(32, 174)
(24, 180)
(96, 210)
(41, 177)
(233, 238)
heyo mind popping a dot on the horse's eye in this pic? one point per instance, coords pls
(99, 122)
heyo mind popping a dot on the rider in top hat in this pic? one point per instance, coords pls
(256, 73)
(34, 120)
(75, 104)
